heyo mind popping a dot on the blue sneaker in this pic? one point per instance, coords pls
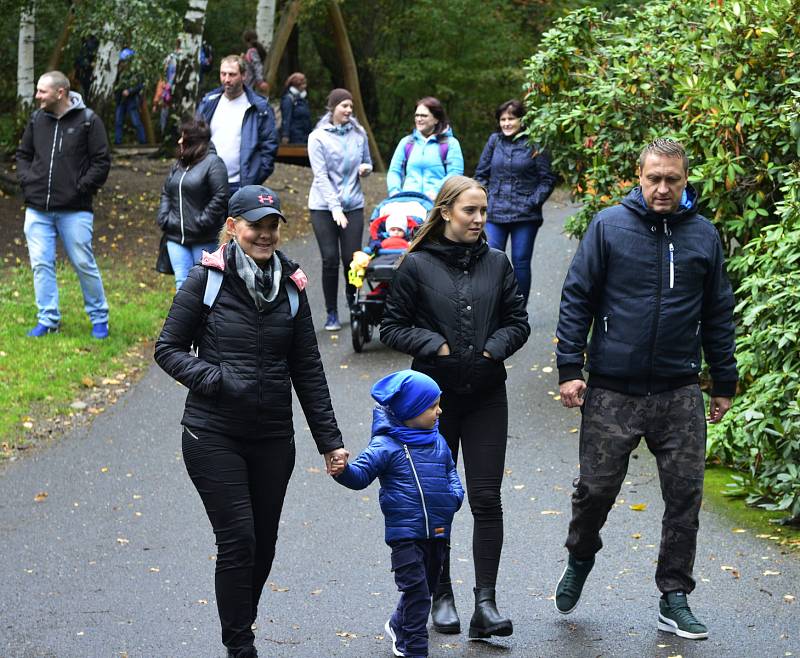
(42, 330)
(100, 330)
(332, 322)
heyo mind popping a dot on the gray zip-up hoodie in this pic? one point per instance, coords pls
(335, 153)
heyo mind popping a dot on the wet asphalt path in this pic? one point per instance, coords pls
(118, 560)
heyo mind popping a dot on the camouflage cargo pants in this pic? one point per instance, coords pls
(673, 425)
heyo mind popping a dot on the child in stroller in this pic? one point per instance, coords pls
(391, 228)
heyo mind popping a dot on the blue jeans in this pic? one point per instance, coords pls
(523, 235)
(184, 257)
(75, 229)
(129, 105)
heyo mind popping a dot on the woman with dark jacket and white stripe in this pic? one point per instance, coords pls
(455, 307)
(194, 199)
(245, 309)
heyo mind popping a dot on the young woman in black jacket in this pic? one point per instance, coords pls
(255, 341)
(194, 199)
(455, 307)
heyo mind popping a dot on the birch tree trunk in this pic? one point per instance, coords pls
(265, 22)
(26, 85)
(105, 72)
(187, 75)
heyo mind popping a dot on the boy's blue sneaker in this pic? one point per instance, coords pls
(100, 330)
(393, 636)
(332, 322)
(42, 330)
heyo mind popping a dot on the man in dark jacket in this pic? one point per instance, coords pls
(242, 126)
(649, 280)
(62, 161)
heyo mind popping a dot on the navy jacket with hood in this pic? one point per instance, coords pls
(259, 136)
(63, 161)
(420, 490)
(518, 178)
(653, 288)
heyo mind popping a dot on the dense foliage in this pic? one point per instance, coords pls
(722, 77)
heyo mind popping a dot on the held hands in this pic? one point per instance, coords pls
(335, 461)
(339, 217)
(444, 350)
(284, 140)
(364, 170)
(572, 392)
(717, 408)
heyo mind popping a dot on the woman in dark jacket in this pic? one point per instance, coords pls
(519, 180)
(455, 307)
(194, 199)
(246, 311)
(295, 111)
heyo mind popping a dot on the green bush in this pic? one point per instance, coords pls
(722, 78)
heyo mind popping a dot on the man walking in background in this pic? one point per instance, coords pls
(242, 126)
(649, 280)
(62, 161)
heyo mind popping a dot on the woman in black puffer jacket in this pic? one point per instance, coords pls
(194, 199)
(455, 307)
(255, 341)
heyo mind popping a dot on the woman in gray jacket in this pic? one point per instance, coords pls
(339, 153)
(194, 199)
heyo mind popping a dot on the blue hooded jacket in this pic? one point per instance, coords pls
(425, 171)
(420, 489)
(259, 135)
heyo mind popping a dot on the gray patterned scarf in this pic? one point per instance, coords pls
(262, 284)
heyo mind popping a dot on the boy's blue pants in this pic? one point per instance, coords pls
(416, 564)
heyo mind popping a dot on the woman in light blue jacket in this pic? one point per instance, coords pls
(339, 153)
(428, 156)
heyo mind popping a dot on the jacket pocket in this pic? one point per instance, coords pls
(487, 373)
(407, 565)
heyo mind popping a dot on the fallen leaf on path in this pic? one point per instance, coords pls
(312, 469)
(347, 634)
(738, 530)
(123, 541)
(547, 369)
(315, 592)
(275, 588)
(788, 598)
(40, 497)
(638, 507)
(636, 535)
(104, 469)
(202, 601)
(574, 430)
(769, 572)
(519, 486)
(550, 512)
(343, 366)
(88, 382)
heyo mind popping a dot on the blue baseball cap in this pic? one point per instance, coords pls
(254, 202)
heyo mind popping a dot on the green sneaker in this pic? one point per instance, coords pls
(675, 616)
(570, 586)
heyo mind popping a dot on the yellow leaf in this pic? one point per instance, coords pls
(346, 634)
(547, 369)
(123, 541)
(104, 469)
(738, 530)
(636, 535)
(41, 496)
(202, 601)
(574, 430)
(550, 512)
(769, 572)
(88, 382)
(638, 507)
(315, 592)
(519, 486)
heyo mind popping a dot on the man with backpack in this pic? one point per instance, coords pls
(62, 161)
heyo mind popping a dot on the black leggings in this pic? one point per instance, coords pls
(479, 422)
(334, 244)
(242, 486)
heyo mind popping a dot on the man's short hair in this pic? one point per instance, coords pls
(234, 59)
(666, 147)
(57, 80)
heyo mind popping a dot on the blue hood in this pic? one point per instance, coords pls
(635, 201)
(383, 423)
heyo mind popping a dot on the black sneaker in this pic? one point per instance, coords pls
(570, 586)
(675, 616)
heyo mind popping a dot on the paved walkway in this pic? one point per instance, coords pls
(118, 560)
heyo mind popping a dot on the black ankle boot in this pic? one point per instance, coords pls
(248, 652)
(443, 611)
(487, 621)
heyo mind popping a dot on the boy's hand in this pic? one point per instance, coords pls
(336, 460)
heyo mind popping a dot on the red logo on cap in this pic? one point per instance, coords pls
(262, 198)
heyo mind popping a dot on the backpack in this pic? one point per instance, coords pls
(444, 147)
(213, 285)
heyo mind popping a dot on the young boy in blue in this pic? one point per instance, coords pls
(420, 492)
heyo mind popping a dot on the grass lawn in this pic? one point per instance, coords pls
(40, 378)
(754, 520)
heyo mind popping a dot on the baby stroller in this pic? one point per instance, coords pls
(372, 269)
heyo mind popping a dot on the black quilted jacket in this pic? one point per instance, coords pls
(465, 295)
(241, 383)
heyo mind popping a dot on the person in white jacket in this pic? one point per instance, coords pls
(339, 153)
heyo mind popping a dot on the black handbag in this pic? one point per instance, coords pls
(163, 263)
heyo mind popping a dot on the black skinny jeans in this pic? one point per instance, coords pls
(242, 486)
(479, 422)
(337, 244)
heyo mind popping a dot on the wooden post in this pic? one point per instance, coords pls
(282, 34)
(350, 72)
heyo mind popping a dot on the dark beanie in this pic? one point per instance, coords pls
(337, 96)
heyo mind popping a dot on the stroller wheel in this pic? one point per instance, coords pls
(357, 331)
